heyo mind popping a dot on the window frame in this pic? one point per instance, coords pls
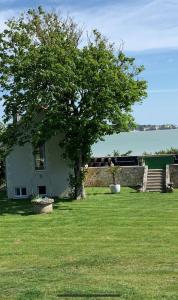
(20, 190)
(41, 151)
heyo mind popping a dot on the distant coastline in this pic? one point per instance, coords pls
(155, 127)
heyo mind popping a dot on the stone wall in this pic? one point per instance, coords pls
(174, 174)
(129, 176)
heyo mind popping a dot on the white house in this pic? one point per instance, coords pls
(42, 171)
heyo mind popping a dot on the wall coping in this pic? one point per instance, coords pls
(122, 167)
(140, 156)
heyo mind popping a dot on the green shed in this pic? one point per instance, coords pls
(158, 161)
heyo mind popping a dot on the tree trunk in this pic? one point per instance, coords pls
(79, 190)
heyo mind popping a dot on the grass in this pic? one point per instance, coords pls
(123, 246)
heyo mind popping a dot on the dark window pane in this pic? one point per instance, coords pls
(39, 154)
(24, 191)
(42, 190)
(17, 191)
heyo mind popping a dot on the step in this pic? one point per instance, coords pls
(156, 173)
(160, 191)
(155, 188)
(154, 170)
(155, 185)
(157, 181)
(156, 178)
(153, 173)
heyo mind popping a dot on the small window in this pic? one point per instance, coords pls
(39, 155)
(17, 191)
(20, 191)
(42, 190)
(24, 191)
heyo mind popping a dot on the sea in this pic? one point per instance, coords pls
(137, 141)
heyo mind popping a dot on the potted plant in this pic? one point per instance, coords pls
(42, 204)
(114, 171)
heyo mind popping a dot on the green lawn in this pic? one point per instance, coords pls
(123, 245)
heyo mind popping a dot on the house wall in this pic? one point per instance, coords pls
(129, 176)
(20, 170)
(174, 174)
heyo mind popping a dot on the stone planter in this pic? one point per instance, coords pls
(115, 188)
(41, 206)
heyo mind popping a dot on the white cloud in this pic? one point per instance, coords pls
(151, 25)
(141, 25)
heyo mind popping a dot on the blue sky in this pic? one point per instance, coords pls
(147, 29)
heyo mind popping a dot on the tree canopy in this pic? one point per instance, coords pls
(171, 150)
(56, 85)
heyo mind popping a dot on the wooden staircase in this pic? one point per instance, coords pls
(156, 180)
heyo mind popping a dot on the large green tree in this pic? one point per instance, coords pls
(57, 85)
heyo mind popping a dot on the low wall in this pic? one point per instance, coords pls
(174, 174)
(129, 176)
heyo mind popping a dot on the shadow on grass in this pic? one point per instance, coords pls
(24, 207)
(11, 206)
(64, 200)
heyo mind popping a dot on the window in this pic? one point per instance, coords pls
(17, 191)
(23, 191)
(42, 190)
(20, 192)
(39, 154)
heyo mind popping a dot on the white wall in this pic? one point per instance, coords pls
(20, 170)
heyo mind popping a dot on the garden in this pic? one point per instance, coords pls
(122, 246)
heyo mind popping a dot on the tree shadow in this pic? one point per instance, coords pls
(63, 200)
(14, 206)
(24, 207)
(58, 201)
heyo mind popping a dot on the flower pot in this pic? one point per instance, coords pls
(115, 188)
